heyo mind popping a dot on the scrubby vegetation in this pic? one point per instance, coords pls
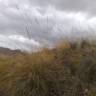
(68, 70)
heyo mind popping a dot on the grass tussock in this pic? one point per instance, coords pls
(68, 70)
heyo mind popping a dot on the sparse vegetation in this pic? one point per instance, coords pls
(68, 70)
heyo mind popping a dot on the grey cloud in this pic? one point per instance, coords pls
(69, 5)
(45, 21)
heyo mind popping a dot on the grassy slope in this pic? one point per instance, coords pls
(68, 70)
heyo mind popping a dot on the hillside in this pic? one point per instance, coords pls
(67, 70)
(7, 51)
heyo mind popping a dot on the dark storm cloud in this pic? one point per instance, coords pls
(69, 5)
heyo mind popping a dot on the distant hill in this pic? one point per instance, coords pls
(7, 51)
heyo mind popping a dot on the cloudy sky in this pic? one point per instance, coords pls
(26, 24)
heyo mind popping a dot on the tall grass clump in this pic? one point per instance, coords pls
(68, 70)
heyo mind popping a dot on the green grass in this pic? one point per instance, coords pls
(68, 70)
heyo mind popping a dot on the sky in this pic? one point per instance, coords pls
(33, 24)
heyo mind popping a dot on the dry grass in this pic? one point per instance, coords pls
(68, 70)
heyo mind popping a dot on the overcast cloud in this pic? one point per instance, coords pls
(26, 24)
